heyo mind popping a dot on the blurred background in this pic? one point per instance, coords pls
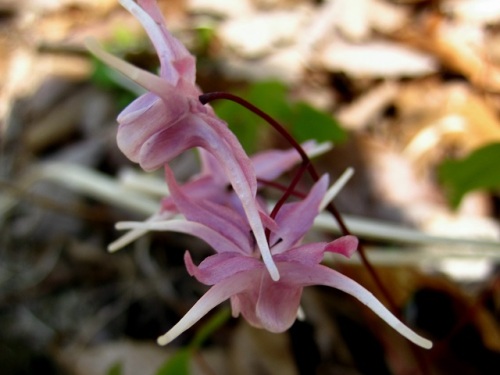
(406, 90)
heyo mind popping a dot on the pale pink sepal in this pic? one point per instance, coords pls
(321, 275)
(218, 267)
(215, 295)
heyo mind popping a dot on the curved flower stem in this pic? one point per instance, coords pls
(278, 186)
(289, 191)
(286, 194)
(208, 97)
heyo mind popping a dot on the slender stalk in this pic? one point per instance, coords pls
(286, 194)
(289, 191)
(278, 186)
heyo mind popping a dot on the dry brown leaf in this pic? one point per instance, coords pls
(378, 59)
(458, 46)
(259, 34)
(367, 108)
(221, 8)
(439, 116)
(480, 12)
(356, 19)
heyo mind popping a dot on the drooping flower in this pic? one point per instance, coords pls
(236, 271)
(169, 119)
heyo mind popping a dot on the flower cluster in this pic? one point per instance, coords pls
(260, 263)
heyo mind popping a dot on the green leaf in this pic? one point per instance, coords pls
(204, 37)
(241, 122)
(309, 123)
(247, 126)
(213, 324)
(115, 369)
(178, 364)
(100, 74)
(125, 39)
(478, 171)
(271, 97)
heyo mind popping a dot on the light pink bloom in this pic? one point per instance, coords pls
(169, 119)
(237, 273)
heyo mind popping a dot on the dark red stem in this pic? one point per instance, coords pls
(281, 187)
(289, 191)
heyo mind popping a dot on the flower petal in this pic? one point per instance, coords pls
(277, 305)
(268, 304)
(138, 107)
(146, 79)
(215, 268)
(271, 164)
(321, 275)
(345, 245)
(176, 61)
(143, 120)
(213, 238)
(220, 218)
(335, 188)
(134, 234)
(215, 295)
(309, 254)
(295, 219)
(166, 140)
(214, 136)
(202, 187)
(247, 178)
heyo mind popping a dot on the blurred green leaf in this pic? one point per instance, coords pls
(269, 97)
(309, 123)
(126, 39)
(204, 37)
(213, 324)
(100, 75)
(241, 122)
(178, 364)
(478, 171)
(115, 369)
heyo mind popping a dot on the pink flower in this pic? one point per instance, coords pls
(237, 273)
(169, 119)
